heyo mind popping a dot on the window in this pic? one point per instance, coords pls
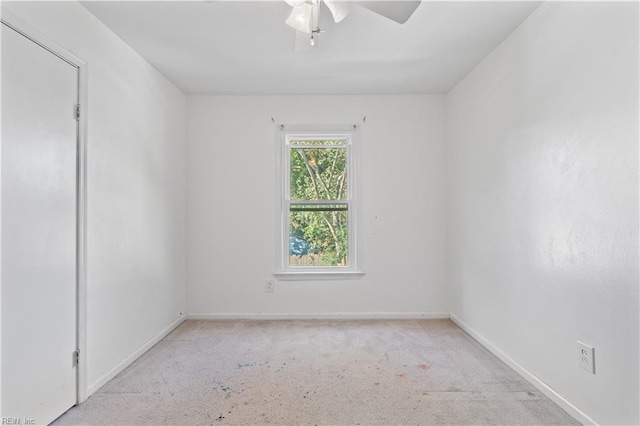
(318, 205)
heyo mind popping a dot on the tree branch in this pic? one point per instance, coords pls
(314, 174)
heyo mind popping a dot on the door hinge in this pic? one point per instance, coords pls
(78, 112)
(76, 358)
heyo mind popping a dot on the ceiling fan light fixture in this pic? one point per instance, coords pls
(300, 18)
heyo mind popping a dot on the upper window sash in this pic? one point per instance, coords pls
(346, 143)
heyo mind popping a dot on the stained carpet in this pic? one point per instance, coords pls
(418, 372)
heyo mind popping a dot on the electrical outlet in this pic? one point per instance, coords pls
(269, 287)
(586, 357)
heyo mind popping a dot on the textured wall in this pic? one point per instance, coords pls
(136, 178)
(543, 201)
(233, 203)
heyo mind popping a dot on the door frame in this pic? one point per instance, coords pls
(15, 23)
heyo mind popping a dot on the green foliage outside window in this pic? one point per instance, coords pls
(319, 174)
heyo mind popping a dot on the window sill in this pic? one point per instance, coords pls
(318, 275)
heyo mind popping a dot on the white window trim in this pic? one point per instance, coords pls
(283, 270)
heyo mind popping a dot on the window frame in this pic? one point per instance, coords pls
(301, 133)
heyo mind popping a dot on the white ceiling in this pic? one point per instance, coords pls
(244, 47)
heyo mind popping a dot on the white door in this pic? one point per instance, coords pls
(39, 175)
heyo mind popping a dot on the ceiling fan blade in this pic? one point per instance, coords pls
(339, 8)
(399, 10)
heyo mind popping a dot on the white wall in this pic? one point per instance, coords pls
(233, 200)
(543, 201)
(136, 180)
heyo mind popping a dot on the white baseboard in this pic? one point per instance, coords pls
(323, 316)
(526, 374)
(131, 358)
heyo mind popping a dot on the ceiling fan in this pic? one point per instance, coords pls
(305, 13)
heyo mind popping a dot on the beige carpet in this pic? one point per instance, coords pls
(422, 372)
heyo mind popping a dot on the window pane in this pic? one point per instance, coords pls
(319, 142)
(318, 235)
(318, 173)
